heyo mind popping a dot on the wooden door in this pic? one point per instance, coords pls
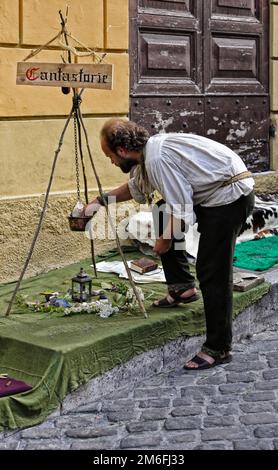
(201, 66)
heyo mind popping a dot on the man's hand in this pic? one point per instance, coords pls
(92, 208)
(162, 245)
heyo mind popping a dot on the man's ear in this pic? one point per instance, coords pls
(121, 151)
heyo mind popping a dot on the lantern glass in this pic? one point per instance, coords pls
(81, 287)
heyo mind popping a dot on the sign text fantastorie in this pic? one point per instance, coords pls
(65, 75)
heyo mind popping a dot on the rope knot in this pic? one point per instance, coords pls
(76, 100)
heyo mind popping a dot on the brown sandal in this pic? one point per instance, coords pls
(204, 364)
(164, 303)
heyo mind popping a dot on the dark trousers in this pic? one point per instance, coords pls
(218, 226)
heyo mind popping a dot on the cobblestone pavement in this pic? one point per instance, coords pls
(232, 406)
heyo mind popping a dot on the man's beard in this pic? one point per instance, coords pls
(126, 164)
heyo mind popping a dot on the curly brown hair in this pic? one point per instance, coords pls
(126, 134)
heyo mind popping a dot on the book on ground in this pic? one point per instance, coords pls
(143, 265)
(246, 281)
(11, 386)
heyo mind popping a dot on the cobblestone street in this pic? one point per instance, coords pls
(232, 406)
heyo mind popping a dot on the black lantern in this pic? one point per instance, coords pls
(81, 287)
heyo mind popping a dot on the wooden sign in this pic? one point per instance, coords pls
(65, 75)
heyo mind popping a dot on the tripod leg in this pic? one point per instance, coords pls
(41, 216)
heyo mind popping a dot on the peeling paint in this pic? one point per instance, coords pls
(162, 124)
(211, 131)
(234, 134)
(191, 113)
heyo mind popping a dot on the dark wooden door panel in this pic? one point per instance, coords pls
(236, 47)
(239, 8)
(166, 49)
(180, 6)
(174, 114)
(241, 123)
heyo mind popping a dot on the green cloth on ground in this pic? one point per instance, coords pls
(57, 354)
(257, 255)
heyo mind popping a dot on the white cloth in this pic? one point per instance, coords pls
(188, 169)
(119, 268)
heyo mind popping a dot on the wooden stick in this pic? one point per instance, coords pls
(36, 51)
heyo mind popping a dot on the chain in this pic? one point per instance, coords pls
(76, 155)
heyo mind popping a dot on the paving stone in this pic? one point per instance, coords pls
(140, 441)
(155, 403)
(181, 437)
(270, 374)
(121, 393)
(253, 444)
(9, 445)
(258, 407)
(41, 433)
(272, 356)
(198, 393)
(183, 423)
(88, 408)
(94, 444)
(259, 396)
(46, 445)
(267, 385)
(119, 405)
(186, 411)
(245, 356)
(225, 399)
(156, 380)
(245, 366)
(259, 418)
(270, 430)
(93, 432)
(214, 446)
(234, 388)
(77, 421)
(222, 410)
(123, 415)
(180, 379)
(264, 345)
(213, 380)
(230, 434)
(154, 414)
(235, 377)
(182, 401)
(142, 426)
(215, 421)
(272, 363)
(155, 392)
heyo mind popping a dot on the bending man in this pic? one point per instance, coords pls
(201, 179)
